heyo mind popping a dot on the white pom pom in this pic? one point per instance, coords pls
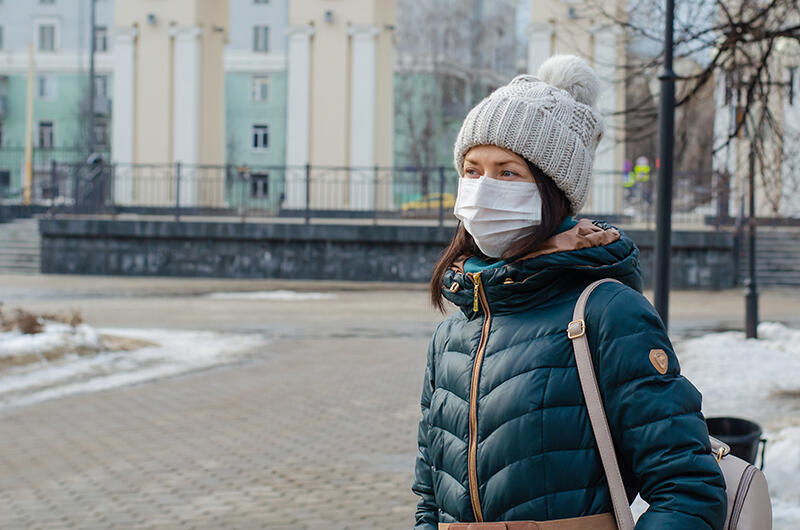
(573, 74)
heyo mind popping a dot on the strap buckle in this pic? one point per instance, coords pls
(576, 329)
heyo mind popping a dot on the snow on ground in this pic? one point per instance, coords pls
(280, 295)
(16, 345)
(757, 380)
(166, 352)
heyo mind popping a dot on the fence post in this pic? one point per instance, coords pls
(308, 193)
(112, 189)
(441, 195)
(375, 195)
(52, 184)
(177, 190)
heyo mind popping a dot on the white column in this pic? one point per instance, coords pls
(297, 114)
(186, 109)
(790, 163)
(539, 44)
(122, 137)
(606, 181)
(362, 117)
(724, 160)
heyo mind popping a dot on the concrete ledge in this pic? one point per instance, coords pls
(365, 252)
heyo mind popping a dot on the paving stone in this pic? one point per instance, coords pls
(320, 434)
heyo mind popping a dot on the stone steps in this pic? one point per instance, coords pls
(20, 247)
(777, 257)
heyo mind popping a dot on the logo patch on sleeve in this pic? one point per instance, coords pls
(660, 360)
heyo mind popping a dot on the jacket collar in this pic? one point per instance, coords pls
(585, 252)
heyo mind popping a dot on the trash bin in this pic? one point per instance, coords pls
(743, 436)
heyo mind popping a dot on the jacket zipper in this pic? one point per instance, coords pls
(472, 462)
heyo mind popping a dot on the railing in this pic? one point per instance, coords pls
(322, 192)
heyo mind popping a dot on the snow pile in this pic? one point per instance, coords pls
(782, 470)
(280, 295)
(757, 380)
(55, 337)
(165, 353)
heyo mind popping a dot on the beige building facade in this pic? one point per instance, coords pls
(340, 102)
(169, 97)
(560, 26)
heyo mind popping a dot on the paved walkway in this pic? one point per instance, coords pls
(317, 431)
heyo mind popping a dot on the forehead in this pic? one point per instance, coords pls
(492, 154)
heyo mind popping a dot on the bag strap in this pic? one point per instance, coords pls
(576, 331)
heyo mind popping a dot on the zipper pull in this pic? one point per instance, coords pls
(476, 279)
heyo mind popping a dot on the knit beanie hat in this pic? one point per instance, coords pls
(549, 120)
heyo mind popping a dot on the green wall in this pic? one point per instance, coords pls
(241, 113)
(70, 132)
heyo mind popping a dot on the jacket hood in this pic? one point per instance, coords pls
(571, 259)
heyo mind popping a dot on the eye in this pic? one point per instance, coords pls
(507, 173)
(471, 172)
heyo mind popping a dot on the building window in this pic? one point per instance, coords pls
(100, 39)
(260, 38)
(46, 136)
(101, 86)
(260, 137)
(259, 185)
(100, 134)
(46, 88)
(46, 37)
(260, 88)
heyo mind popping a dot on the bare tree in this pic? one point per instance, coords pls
(449, 54)
(747, 46)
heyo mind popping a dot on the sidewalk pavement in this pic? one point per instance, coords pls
(317, 431)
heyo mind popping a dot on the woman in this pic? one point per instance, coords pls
(505, 434)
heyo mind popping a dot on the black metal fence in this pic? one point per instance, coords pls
(308, 192)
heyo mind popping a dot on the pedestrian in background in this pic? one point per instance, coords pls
(505, 434)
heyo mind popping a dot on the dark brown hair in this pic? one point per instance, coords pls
(555, 208)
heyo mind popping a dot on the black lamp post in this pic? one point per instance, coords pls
(663, 244)
(91, 76)
(751, 292)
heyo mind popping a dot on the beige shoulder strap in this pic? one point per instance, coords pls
(597, 414)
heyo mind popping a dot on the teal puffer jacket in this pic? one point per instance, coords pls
(505, 434)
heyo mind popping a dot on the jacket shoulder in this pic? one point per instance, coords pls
(614, 305)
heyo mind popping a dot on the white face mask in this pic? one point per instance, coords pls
(497, 212)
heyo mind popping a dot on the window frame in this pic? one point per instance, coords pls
(105, 143)
(259, 185)
(259, 137)
(261, 42)
(259, 80)
(47, 21)
(102, 31)
(52, 142)
(101, 80)
(51, 85)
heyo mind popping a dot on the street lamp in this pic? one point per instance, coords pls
(91, 76)
(663, 244)
(751, 290)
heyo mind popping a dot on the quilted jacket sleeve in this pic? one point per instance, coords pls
(427, 515)
(659, 432)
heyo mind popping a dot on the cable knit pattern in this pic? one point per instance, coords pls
(542, 123)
